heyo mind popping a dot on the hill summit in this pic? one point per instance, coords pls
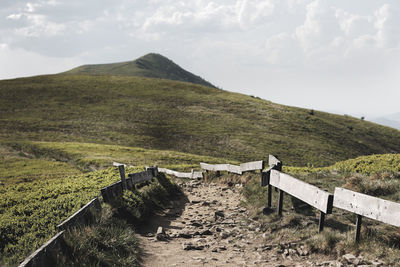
(151, 65)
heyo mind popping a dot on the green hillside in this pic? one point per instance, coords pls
(169, 115)
(151, 66)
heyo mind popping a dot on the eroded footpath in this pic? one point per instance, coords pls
(207, 226)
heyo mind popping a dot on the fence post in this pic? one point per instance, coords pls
(321, 222)
(280, 202)
(274, 164)
(358, 227)
(269, 200)
(122, 174)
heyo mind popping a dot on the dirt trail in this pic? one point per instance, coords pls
(208, 227)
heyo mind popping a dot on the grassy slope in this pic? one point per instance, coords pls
(163, 114)
(150, 65)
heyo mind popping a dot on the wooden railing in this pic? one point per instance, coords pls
(38, 258)
(244, 167)
(360, 204)
(190, 175)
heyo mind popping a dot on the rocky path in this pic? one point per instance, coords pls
(208, 227)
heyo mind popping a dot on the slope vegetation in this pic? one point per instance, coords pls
(178, 116)
(151, 65)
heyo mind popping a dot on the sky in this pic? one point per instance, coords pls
(340, 56)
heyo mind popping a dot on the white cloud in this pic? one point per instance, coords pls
(191, 17)
(14, 16)
(253, 12)
(38, 25)
(387, 23)
(320, 27)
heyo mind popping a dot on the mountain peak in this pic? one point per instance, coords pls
(151, 65)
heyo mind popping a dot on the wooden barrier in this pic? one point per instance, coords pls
(274, 164)
(116, 189)
(38, 258)
(190, 175)
(110, 192)
(235, 169)
(244, 167)
(368, 206)
(274, 161)
(82, 215)
(141, 177)
(310, 194)
(252, 166)
(214, 167)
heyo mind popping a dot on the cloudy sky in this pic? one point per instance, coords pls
(341, 56)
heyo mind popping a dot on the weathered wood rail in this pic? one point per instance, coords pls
(307, 193)
(84, 214)
(190, 175)
(38, 258)
(244, 167)
(81, 215)
(361, 204)
(368, 206)
(116, 189)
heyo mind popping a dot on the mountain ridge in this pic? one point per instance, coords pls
(151, 65)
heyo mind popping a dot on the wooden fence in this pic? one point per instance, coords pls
(244, 167)
(190, 175)
(82, 215)
(38, 257)
(85, 214)
(361, 204)
(371, 207)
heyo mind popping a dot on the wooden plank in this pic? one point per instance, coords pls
(234, 169)
(111, 191)
(214, 167)
(244, 167)
(274, 161)
(80, 215)
(154, 170)
(367, 206)
(308, 193)
(190, 175)
(37, 257)
(141, 177)
(252, 166)
(206, 166)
